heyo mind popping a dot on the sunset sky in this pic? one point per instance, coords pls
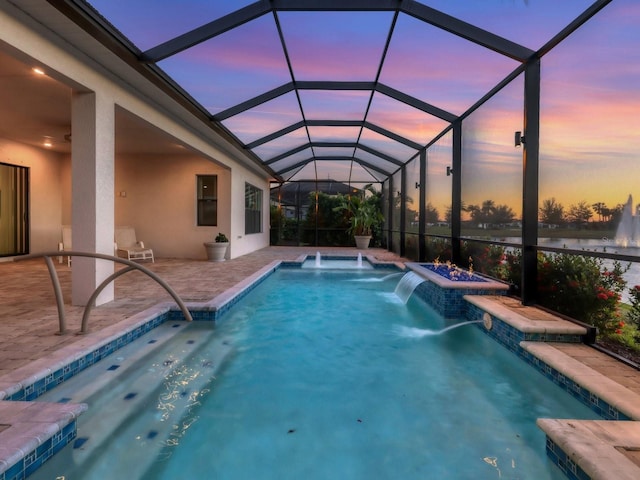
(590, 120)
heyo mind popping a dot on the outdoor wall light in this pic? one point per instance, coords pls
(449, 171)
(519, 139)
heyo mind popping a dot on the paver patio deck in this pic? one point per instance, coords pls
(29, 316)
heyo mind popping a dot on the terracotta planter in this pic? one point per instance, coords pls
(216, 251)
(362, 241)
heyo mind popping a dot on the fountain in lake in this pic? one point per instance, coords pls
(628, 232)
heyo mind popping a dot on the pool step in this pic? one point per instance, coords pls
(125, 410)
(598, 385)
(531, 322)
(599, 449)
(157, 420)
(99, 383)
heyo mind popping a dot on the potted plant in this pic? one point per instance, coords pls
(217, 250)
(363, 215)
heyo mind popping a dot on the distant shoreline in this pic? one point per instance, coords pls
(542, 233)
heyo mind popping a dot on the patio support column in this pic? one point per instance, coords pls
(530, 158)
(422, 227)
(316, 212)
(390, 214)
(403, 213)
(298, 216)
(92, 186)
(456, 192)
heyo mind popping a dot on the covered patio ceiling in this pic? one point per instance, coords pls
(348, 90)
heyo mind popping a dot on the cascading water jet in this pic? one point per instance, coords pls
(413, 332)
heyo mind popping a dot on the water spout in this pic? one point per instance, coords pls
(412, 332)
(359, 264)
(318, 259)
(407, 284)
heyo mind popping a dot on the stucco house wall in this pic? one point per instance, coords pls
(160, 192)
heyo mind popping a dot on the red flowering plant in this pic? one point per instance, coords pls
(583, 288)
(510, 269)
(487, 259)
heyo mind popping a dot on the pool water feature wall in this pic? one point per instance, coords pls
(447, 296)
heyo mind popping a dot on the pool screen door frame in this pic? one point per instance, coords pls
(14, 210)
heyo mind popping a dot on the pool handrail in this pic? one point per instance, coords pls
(57, 290)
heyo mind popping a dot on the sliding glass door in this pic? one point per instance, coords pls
(14, 210)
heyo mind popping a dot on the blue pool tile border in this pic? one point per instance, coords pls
(219, 312)
(570, 468)
(510, 338)
(197, 315)
(34, 459)
(53, 379)
(449, 302)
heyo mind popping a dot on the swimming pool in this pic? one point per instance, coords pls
(316, 374)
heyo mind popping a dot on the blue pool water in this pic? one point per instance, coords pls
(314, 375)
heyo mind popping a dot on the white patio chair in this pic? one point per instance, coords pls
(65, 244)
(127, 246)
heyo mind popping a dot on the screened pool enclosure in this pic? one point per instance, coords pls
(490, 128)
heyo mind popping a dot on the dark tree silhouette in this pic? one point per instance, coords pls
(431, 213)
(599, 208)
(490, 214)
(579, 213)
(552, 212)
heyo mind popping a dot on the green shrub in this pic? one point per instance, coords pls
(582, 288)
(633, 313)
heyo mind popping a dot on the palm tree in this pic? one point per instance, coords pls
(599, 208)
